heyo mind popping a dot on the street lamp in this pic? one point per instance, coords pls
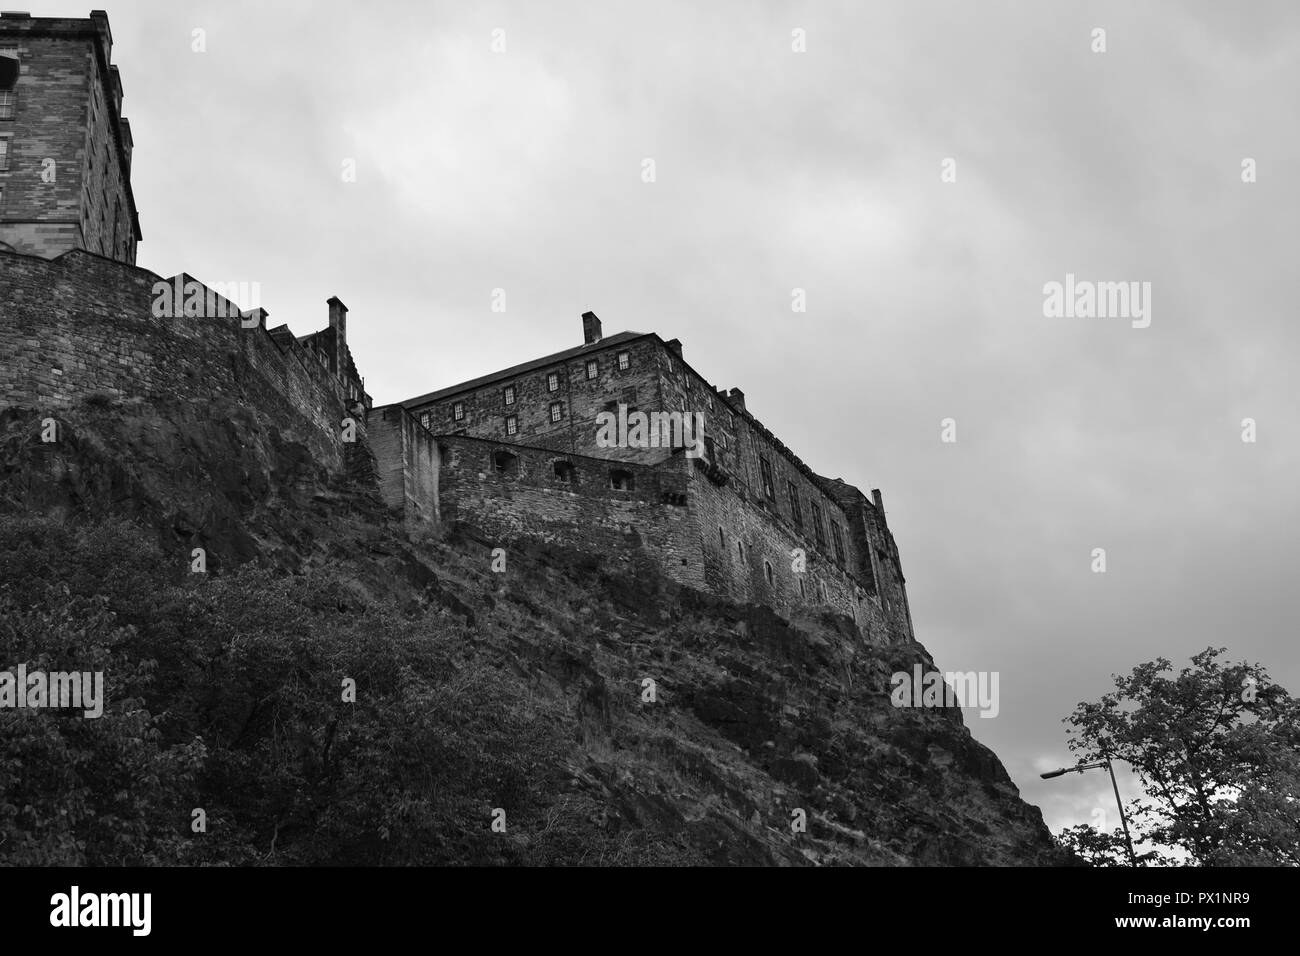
(1132, 857)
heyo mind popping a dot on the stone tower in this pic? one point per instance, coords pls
(65, 150)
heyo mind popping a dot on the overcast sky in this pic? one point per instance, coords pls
(820, 170)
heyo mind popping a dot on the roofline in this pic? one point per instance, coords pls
(818, 481)
(465, 387)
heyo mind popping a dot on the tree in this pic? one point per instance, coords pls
(1217, 750)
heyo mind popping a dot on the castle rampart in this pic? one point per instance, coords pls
(82, 324)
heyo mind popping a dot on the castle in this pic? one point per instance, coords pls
(523, 453)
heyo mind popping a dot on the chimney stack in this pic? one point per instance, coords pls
(737, 398)
(590, 328)
(879, 500)
(676, 346)
(259, 314)
(339, 320)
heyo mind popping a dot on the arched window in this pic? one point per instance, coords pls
(564, 472)
(621, 480)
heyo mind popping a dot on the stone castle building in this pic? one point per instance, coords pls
(65, 148)
(517, 453)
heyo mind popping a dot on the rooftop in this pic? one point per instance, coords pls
(554, 359)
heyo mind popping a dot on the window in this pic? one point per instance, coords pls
(670, 364)
(553, 382)
(624, 361)
(801, 589)
(4, 150)
(709, 399)
(458, 412)
(509, 394)
(505, 463)
(593, 369)
(817, 524)
(722, 538)
(557, 411)
(686, 380)
(767, 572)
(740, 549)
(795, 512)
(564, 472)
(7, 72)
(512, 425)
(621, 480)
(837, 542)
(768, 492)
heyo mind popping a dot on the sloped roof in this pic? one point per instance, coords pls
(555, 359)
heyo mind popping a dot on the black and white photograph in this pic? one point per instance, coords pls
(442, 441)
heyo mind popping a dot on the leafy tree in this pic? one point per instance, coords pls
(1217, 750)
(1097, 847)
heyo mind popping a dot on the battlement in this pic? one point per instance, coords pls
(83, 324)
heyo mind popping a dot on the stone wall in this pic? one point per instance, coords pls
(406, 456)
(646, 524)
(67, 185)
(83, 324)
(750, 556)
(580, 398)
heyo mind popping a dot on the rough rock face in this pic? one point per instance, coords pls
(753, 717)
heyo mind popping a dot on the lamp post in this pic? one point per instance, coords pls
(1132, 857)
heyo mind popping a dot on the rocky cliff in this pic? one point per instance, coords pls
(753, 717)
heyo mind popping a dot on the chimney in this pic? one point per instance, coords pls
(339, 323)
(676, 346)
(590, 328)
(879, 500)
(259, 314)
(338, 320)
(737, 398)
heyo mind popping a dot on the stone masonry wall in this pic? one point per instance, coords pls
(82, 324)
(50, 122)
(67, 182)
(581, 400)
(646, 525)
(741, 543)
(406, 456)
